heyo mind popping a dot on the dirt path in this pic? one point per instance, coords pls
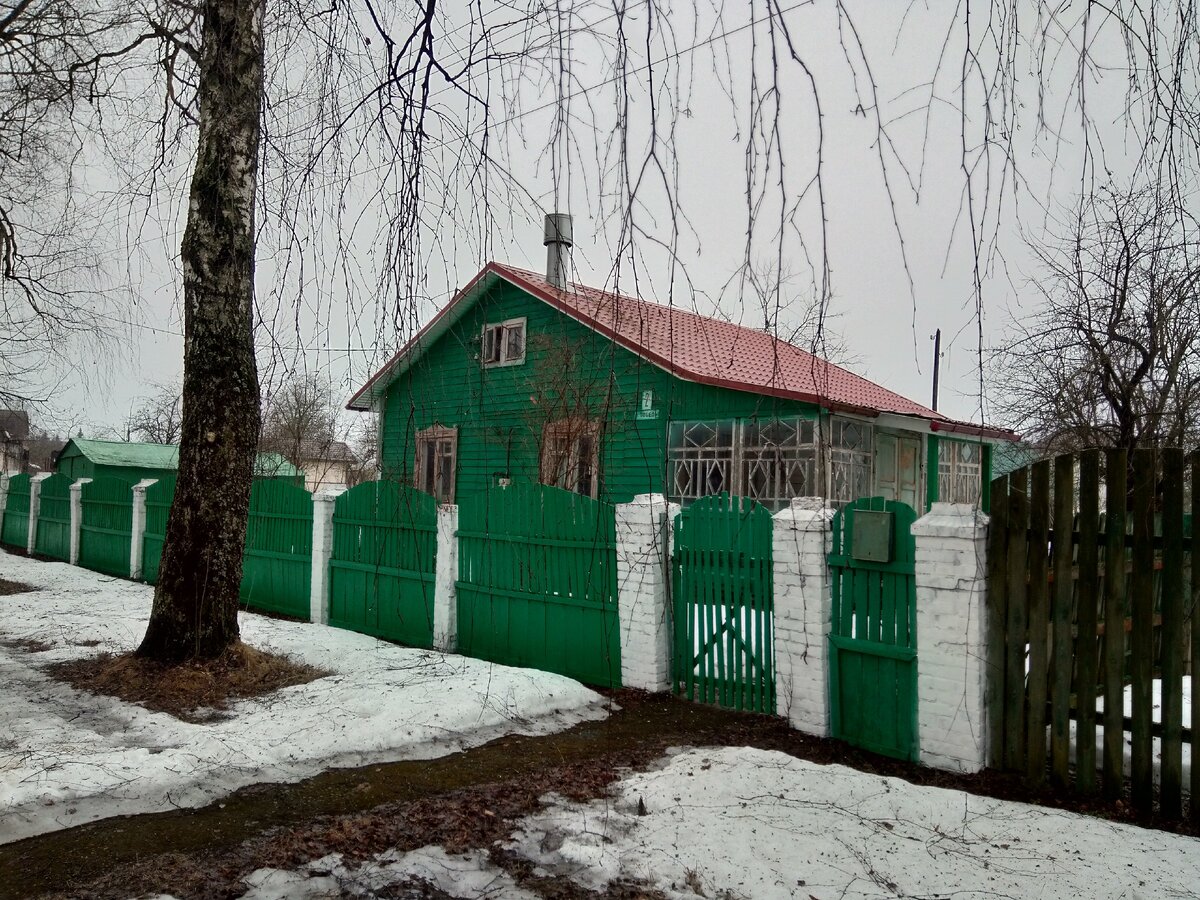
(466, 800)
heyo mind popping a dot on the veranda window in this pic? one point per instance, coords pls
(437, 457)
(960, 471)
(851, 452)
(571, 456)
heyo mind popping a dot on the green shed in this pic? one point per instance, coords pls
(132, 462)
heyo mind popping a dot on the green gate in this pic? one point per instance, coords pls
(382, 568)
(538, 581)
(873, 638)
(53, 536)
(722, 586)
(15, 529)
(105, 526)
(158, 506)
(277, 564)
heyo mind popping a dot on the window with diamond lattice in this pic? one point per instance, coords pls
(850, 455)
(778, 461)
(960, 471)
(700, 459)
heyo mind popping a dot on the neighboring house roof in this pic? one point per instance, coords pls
(162, 456)
(14, 425)
(1007, 458)
(325, 451)
(690, 346)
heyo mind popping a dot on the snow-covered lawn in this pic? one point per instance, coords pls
(745, 824)
(68, 757)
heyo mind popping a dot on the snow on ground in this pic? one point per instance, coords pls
(745, 823)
(68, 757)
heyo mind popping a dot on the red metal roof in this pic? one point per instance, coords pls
(709, 351)
(697, 348)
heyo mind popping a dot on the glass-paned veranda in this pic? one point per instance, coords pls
(772, 461)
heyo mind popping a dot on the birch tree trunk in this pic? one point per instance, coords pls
(196, 599)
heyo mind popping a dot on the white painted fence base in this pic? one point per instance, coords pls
(951, 572)
(445, 591)
(802, 614)
(644, 534)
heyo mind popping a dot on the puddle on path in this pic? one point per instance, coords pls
(49, 861)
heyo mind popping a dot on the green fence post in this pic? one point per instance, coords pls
(76, 517)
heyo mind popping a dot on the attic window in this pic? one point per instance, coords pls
(503, 343)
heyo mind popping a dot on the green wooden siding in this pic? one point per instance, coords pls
(568, 369)
(106, 525)
(53, 536)
(382, 566)
(14, 531)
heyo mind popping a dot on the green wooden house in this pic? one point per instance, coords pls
(132, 462)
(518, 378)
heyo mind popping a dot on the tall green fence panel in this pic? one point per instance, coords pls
(159, 497)
(723, 592)
(537, 582)
(14, 531)
(277, 566)
(106, 526)
(873, 635)
(381, 571)
(53, 536)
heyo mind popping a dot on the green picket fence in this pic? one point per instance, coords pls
(14, 531)
(537, 582)
(722, 585)
(106, 526)
(277, 566)
(381, 571)
(159, 497)
(53, 536)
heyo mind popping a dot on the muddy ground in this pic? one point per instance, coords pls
(467, 800)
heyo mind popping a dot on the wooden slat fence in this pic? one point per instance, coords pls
(1092, 613)
(53, 536)
(14, 531)
(106, 526)
(159, 497)
(722, 592)
(538, 581)
(277, 565)
(381, 571)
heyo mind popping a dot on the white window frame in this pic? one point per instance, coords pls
(439, 437)
(501, 331)
(955, 472)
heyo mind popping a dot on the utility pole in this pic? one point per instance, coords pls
(937, 361)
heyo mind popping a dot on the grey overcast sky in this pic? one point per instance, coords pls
(726, 183)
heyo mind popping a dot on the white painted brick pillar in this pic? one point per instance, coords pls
(35, 508)
(322, 549)
(445, 590)
(76, 517)
(644, 534)
(951, 576)
(138, 530)
(803, 609)
(4, 479)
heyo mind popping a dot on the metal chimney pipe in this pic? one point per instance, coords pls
(558, 240)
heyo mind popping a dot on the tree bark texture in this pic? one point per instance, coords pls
(196, 599)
